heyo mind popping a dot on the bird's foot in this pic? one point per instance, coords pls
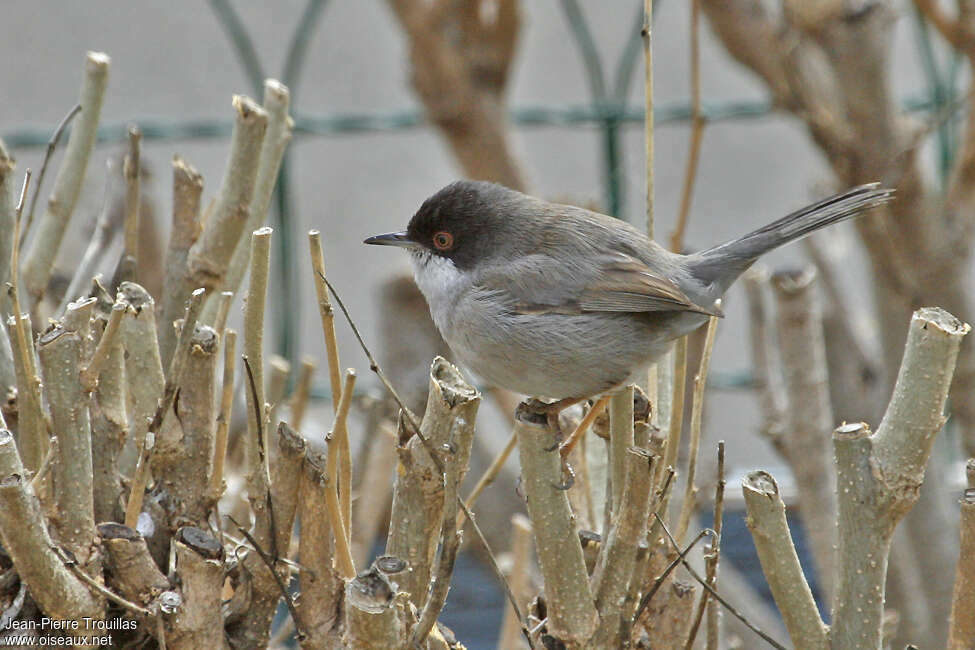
(551, 411)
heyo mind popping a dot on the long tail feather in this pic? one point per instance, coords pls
(724, 263)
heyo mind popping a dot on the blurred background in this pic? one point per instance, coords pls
(175, 67)
(364, 156)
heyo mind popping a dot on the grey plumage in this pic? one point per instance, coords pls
(555, 301)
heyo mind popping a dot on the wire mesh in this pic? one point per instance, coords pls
(607, 111)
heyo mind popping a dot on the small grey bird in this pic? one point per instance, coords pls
(556, 301)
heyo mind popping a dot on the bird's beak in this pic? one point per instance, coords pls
(391, 239)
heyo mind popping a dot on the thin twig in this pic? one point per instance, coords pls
(664, 490)
(343, 480)
(647, 597)
(713, 561)
(131, 171)
(697, 410)
(45, 466)
(161, 632)
(327, 315)
(215, 490)
(336, 513)
(97, 587)
(293, 567)
(647, 34)
(676, 406)
(54, 220)
(566, 447)
(13, 289)
(51, 146)
(140, 479)
(522, 552)
(89, 374)
(714, 594)
(712, 554)
(414, 425)
(771, 395)
(98, 244)
(223, 310)
(299, 399)
(697, 131)
(269, 561)
(488, 476)
(262, 453)
(20, 331)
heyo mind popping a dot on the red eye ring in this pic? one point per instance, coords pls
(443, 240)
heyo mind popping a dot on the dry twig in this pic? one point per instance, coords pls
(44, 246)
(697, 411)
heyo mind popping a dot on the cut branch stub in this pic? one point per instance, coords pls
(210, 254)
(418, 495)
(373, 612)
(60, 351)
(780, 563)
(23, 530)
(44, 246)
(915, 413)
(879, 475)
(572, 615)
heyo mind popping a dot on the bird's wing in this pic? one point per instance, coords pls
(626, 284)
(620, 283)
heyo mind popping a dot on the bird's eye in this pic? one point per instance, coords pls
(443, 240)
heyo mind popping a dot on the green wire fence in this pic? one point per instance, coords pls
(606, 110)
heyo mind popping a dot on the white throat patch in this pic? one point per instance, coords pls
(441, 284)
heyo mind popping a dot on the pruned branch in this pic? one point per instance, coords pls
(572, 615)
(780, 563)
(60, 351)
(210, 254)
(26, 539)
(321, 586)
(881, 473)
(187, 188)
(277, 97)
(44, 246)
(418, 493)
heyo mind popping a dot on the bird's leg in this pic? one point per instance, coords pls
(551, 412)
(566, 447)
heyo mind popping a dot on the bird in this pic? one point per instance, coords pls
(561, 303)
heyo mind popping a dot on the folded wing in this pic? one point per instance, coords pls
(620, 283)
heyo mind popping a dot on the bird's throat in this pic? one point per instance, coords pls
(441, 283)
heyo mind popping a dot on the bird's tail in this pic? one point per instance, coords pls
(724, 263)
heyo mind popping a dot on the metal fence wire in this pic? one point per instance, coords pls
(606, 110)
